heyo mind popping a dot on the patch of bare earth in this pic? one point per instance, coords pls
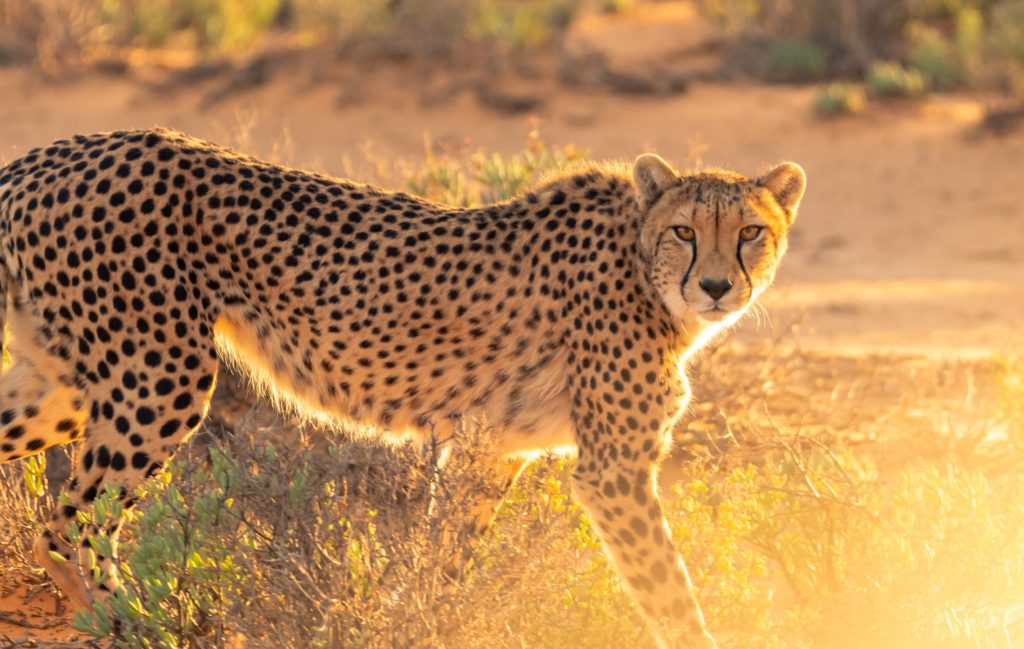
(31, 615)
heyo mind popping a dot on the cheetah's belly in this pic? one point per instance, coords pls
(543, 421)
(524, 404)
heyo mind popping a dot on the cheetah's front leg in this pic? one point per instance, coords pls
(621, 440)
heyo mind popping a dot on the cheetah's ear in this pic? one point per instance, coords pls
(652, 177)
(786, 183)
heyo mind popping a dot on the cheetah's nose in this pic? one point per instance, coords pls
(716, 288)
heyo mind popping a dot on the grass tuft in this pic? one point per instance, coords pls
(840, 98)
(890, 79)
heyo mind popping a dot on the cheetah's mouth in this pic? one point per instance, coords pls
(715, 313)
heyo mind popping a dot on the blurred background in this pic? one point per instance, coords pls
(853, 460)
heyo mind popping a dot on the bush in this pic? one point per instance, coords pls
(1007, 38)
(617, 6)
(1006, 33)
(275, 545)
(890, 79)
(935, 57)
(840, 98)
(481, 177)
(848, 34)
(521, 24)
(267, 544)
(205, 25)
(795, 60)
(962, 43)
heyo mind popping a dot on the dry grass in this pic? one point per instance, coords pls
(829, 501)
(23, 504)
(796, 537)
(341, 545)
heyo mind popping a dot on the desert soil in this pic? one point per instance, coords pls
(909, 241)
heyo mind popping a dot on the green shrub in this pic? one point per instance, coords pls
(970, 43)
(795, 60)
(617, 6)
(840, 98)
(482, 177)
(934, 56)
(733, 17)
(890, 79)
(201, 24)
(521, 23)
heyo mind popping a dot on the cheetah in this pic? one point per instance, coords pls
(132, 263)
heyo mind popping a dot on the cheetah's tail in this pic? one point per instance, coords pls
(4, 283)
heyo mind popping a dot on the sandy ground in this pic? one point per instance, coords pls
(909, 239)
(30, 614)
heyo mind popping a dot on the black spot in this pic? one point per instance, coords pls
(170, 428)
(184, 400)
(145, 415)
(659, 572)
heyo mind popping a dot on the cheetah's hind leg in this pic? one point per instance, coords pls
(39, 405)
(39, 408)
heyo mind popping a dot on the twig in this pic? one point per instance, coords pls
(17, 618)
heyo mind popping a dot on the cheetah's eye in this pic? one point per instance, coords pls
(750, 232)
(684, 233)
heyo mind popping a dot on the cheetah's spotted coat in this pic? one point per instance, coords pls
(131, 262)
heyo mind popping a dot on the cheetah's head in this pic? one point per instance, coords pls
(713, 240)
